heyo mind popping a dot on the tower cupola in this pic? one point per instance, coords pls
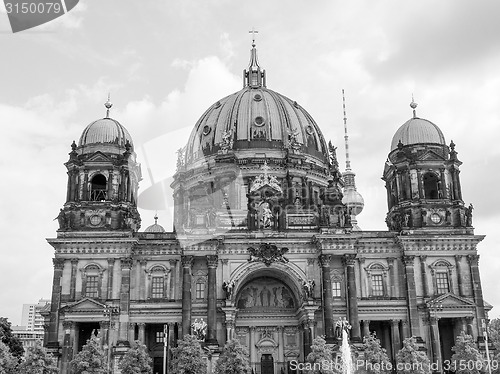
(422, 180)
(103, 179)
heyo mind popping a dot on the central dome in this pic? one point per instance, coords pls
(256, 119)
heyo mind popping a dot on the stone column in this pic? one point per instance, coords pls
(281, 342)
(307, 338)
(392, 278)
(366, 327)
(187, 263)
(419, 181)
(252, 341)
(423, 271)
(396, 340)
(327, 298)
(142, 279)
(142, 332)
(68, 344)
(435, 339)
(458, 262)
(55, 304)
(349, 261)
(126, 265)
(478, 292)
(111, 269)
(110, 185)
(406, 329)
(212, 262)
(72, 282)
(443, 184)
(131, 332)
(173, 279)
(85, 189)
(411, 295)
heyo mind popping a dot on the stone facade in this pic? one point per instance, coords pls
(263, 249)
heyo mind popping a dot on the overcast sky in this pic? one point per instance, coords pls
(165, 62)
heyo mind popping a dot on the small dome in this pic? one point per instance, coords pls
(353, 200)
(105, 131)
(155, 228)
(418, 131)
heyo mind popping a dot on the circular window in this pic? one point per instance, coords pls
(95, 220)
(257, 97)
(206, 130)
(309, 129)
(435, 218)
(259, 121)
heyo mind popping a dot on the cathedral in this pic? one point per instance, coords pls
(265, 246)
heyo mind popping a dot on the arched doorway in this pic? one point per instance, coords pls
(267, 320)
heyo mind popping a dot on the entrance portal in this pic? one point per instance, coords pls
(267, 364)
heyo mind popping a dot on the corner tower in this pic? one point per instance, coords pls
(103, 180)
(422, 179)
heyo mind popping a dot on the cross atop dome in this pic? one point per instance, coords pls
(254, 76)
(253, 32)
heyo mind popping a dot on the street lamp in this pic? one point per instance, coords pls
(485, 331)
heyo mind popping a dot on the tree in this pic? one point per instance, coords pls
(233, 360)
(8, 363)
(38, 361)
(376, 359)
(320, 360)
(187, 357)
(494, 338)
(91, 359)
(6, 336)
(410, 360)
(466, 358)
(136, 360)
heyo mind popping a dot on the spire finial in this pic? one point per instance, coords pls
(346, 136)
(156, 218)
(413, 105)
(108, 105)
(253, 32)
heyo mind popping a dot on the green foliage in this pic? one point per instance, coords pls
(6, 336)
(376, 359)
(233, 360)
(8, 363)
(466, 358)
(187, 357)
(320, 354)
(494, 338)
(38, 361)
(412, 361)
(91, 359)
(136, 360)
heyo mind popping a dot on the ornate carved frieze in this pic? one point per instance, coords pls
(267, 253)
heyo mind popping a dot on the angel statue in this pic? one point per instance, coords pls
(199, 329)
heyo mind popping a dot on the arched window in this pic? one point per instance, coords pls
(159, 280)
(377, 274)
(98, 186)
(441, 271)
(91, 281)
(430, 186)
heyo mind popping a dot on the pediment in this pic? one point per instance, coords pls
(85, 305)
(98, 157)
(430, 155)
(450, 300)
(266, 343)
